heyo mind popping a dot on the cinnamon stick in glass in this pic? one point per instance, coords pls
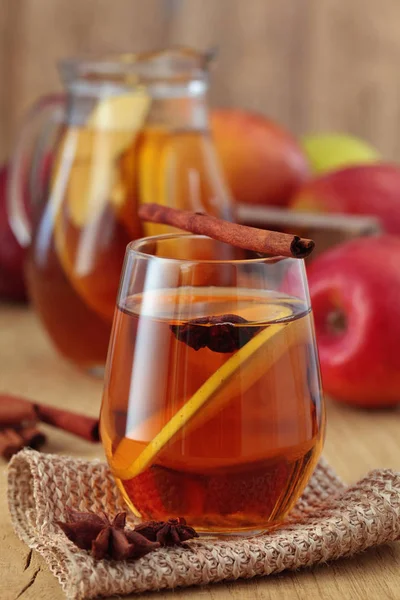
(261, 241)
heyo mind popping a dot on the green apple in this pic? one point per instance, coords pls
(330, 151)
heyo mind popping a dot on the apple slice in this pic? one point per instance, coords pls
(87, 196)
(110, 131)
(88, 156)
(122, 112)
(240, 371)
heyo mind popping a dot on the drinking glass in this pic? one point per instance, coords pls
(212, 406)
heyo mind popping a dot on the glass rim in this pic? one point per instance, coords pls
(133, 248)
(169, 63)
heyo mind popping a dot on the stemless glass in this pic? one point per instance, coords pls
(212, 407)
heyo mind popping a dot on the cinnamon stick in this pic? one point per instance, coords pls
(261, 241)
(80, 425)
(11, 442)
(33, 438)
(14, 411)
(20, 412)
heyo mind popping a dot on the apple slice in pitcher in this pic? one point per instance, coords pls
(88, 200)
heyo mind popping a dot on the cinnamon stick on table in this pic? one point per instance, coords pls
(261, 241)
(80, 425)
(20, 412)
(12, 440)
(14, 411)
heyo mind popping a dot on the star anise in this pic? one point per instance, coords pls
(105, 538)
(168, 533)
(221, 333)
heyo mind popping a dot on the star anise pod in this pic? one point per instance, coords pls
(221, 333)
(168, 533)
(105, 538)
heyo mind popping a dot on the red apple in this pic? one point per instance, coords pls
(262, 162)
(355, 292)
(12, 285)
(363, 190)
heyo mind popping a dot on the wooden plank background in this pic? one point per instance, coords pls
(311, 64)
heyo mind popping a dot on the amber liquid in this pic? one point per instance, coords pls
(89, 215)
(244, 458)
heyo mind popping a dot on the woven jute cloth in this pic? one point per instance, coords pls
(330, 520)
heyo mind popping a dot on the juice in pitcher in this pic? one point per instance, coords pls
(134, 129)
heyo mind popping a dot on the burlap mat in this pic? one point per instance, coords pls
(331, 520)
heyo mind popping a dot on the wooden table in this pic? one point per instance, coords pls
(356, 442)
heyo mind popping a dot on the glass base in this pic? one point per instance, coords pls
(232, 534)
(241, 532)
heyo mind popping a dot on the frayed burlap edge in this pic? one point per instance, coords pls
(330, 521)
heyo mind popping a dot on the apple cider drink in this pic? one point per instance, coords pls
(212, 408)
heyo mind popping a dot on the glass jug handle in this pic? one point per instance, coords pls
(38, 127)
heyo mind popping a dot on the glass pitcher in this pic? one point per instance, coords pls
(130, 129)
